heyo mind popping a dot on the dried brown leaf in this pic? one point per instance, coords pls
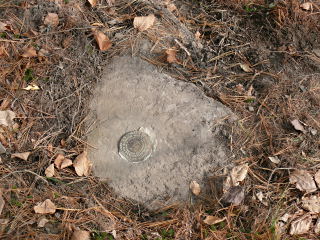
(317, 178)
(23, 156)
(49, 171)
(301, 225)
(311, 204)
(82, 164)
(274, 159)
(210, 220)
(29, 52)
(307, 6)
(5, 27)
(297, 125)
(58, 161)
(103, 41)
(45, 207)
(237, 174)
(52, 19)
(66, 163)
(42, 222)
(6, 118)
(195, 188)
(171, 7)
(93, 2)
(303, 181)
(171, 55)
(144, 22)
(80, 235)
(246, 67)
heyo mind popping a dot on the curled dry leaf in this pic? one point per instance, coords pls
(195, 188)
(210, 220)
(297, 125)
(52, 19)
(307, 6)
(171, 7)
(66, 163)
(6, 118)
(31, 87)
(23, 156)
(82, 164)
(42, 222)
(237, 174)
(144, 22)
(301, 225)
(45, 207)
(303, 181)
(49, 171)
(93, 3)
(29, 52)
(317, 178)
(311, 204)
(171, 55)
(246, 67)
(4, 27)
(103, 41)
(261, 198)
(80, 235)
(62, 162)
(274, 159)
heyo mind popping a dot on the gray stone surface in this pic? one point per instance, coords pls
(181, 120)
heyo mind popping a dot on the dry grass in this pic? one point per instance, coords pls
(283, 86)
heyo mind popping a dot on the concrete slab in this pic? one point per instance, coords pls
(153, 134)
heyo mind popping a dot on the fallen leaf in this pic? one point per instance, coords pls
(195, 188)
(49, 171)
(171, 7)
(31, 87)
(303, 181)
(234, 196)
(246, 67)
(144, 22)
(274, 159)
(171, 55)
(311, 204)
(23, 156)
(103, 41)
(45, 207)
(6, 118)
(29, 52)
(52, 19)
(2, 202)
(82, 164)
(317, 227)
(261, 198)
(42, 222)
(197, 35)
(80, 235)
(237, 174)
(210, 220)
(285, 217)
(66, 163)
(307, 6)
(93, 2)
(301, 225)
(43, 53)
(58, 161)
(317, 178)
(297, 125)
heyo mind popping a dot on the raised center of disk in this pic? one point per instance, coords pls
(135, 146)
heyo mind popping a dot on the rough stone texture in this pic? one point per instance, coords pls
(133, 94)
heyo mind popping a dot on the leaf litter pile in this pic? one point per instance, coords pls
(260, 59)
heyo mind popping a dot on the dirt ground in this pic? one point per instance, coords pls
(259, 58)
